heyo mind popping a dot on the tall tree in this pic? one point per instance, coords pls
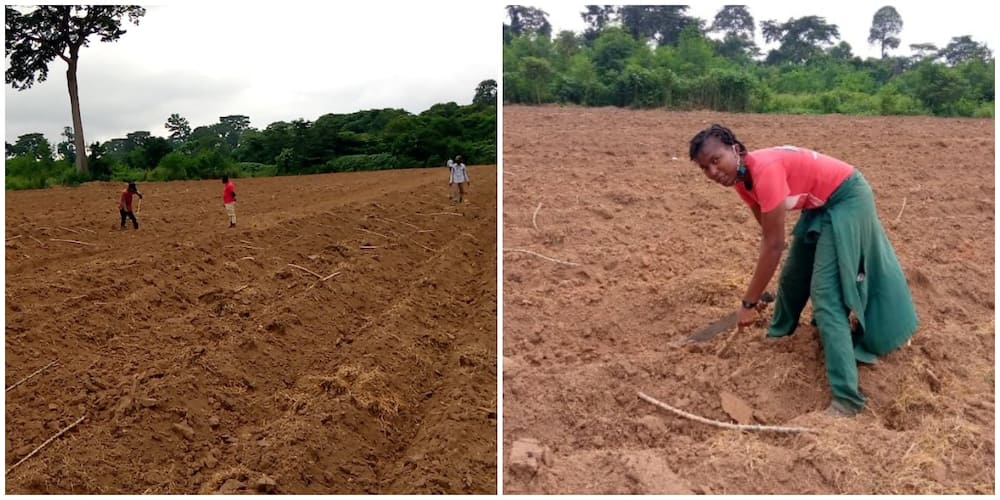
(886, 24)
(538, 72)
(486, 93)
(67, 148)
(237, 123)
(36, 37)
(527, 20)
(178, 127)
(231, 128)
(137, 139)
(801, 39)
(33, 145)
(964, 48)
(566, 44)
(597, 17)
(662, 24)
(922, 50)
(734, 19)
(738, 26)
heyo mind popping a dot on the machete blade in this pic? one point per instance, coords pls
(722, 324)
(726, 322)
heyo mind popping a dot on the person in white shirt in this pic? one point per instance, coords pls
(459, 179)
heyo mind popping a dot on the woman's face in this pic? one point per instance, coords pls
(718, 161)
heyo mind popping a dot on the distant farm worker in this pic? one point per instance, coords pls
(839, 254)
(229, 199)
(459, 178)
(125, 204)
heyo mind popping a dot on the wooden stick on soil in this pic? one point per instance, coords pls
(440, 213)
(330, 276)
(724, 425)
(70, 230)
(423, 246)
(43, 445)
(396, 221)
(308, 271)
(14, 237)
(529, 252)
(37, 240)
(91, 231)
(291, 240)
(368, 247)
(25, 379)
(74, 241)
(900, 214)
(535, 215)
(373, 232)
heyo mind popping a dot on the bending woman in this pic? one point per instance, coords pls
(839, 254)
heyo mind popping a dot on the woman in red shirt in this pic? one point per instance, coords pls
(839, 255)
(125, 204)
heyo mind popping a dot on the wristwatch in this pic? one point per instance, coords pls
(749, 305)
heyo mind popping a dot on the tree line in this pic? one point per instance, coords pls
(649, 56)
(365, 140)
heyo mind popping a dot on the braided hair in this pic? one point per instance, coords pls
(719, 132)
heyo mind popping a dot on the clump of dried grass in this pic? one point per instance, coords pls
(368, 389)
(239, 472)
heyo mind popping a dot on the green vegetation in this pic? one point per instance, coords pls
(658, 57)
(365, 140)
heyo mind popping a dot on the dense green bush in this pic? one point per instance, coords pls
(24, 172)
(250, 169)
(359, 163)
(610, 67)
(171, 168)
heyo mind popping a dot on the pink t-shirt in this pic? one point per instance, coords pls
(799, 178)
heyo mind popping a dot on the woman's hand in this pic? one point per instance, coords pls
(745, 317)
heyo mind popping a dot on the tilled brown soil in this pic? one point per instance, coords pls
(205, 362)
(663, 251)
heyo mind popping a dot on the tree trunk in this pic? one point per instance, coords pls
(74, 103)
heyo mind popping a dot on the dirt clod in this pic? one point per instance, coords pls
(184, 430)
(265, 484)
(525, 457)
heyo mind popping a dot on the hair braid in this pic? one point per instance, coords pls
(719, 132)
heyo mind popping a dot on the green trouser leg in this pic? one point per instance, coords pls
(834, 326)
(793, 288)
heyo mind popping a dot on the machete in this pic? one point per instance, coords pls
(726, 322)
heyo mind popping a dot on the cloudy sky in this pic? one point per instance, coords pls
(271, 63)
(923, 22)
